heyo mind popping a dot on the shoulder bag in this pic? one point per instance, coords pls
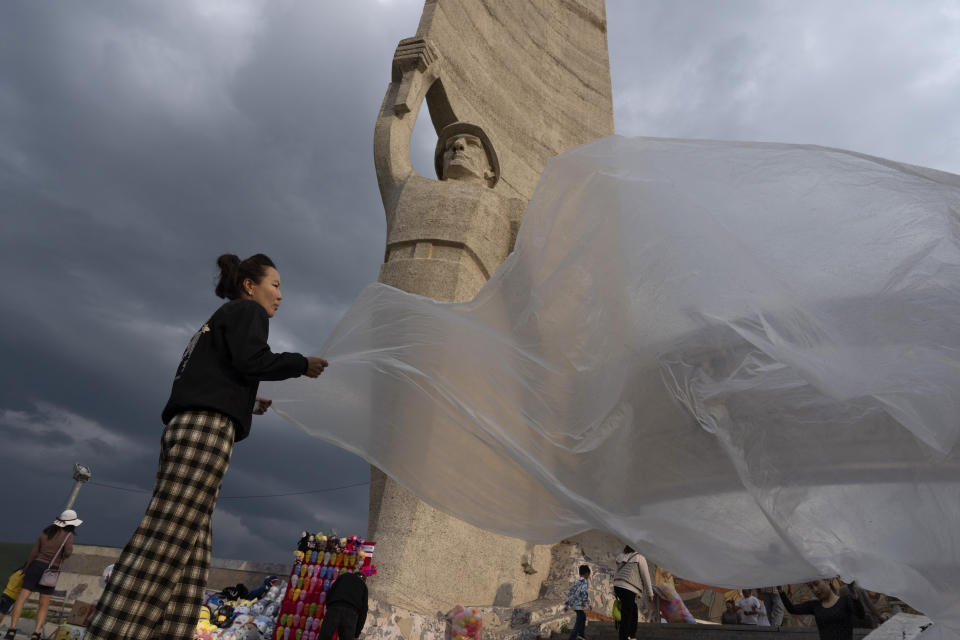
(50, 575)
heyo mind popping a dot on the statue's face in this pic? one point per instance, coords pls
(464, 158)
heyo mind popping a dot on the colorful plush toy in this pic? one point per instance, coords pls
(264, 625)
(248, 631)
(204, 624)
(276, 591)
(223, 616)
(302, 544)
(263, 589)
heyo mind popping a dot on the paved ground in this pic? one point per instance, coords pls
(25, 628)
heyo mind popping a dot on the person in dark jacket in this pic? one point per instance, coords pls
(346, 608)
(156, 587)
(833, 613)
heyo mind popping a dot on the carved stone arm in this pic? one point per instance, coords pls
(416, 65)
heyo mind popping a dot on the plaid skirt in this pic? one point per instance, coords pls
(156, 588)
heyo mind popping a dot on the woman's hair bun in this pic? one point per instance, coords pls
(228, 261)
(227, 284)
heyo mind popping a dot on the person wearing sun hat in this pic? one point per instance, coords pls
(53, 546)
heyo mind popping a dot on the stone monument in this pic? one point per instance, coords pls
(508, 85)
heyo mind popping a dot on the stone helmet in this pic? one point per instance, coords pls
(457, 128)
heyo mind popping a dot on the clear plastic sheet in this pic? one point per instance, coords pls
(743, 358)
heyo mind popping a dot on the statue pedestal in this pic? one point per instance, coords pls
(429, 561)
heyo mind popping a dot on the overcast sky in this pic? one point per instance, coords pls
(139, 140)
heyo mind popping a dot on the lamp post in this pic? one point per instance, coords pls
(81, 474)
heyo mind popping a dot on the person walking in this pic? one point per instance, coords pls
(54, 545)
(11, 591)
(578, 599)
(763, 620)
(773, 606)
(156, 587)
(631, 579)
(832, 612)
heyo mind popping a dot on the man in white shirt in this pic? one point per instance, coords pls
(749, 608)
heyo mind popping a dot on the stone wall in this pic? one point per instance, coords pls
(86, 565)
(538, 618)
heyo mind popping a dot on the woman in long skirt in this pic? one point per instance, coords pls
(156, 587)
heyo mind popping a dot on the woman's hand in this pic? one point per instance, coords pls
(315, 367)
(262, 405)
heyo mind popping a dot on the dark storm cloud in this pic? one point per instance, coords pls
(140, 140)
(137, 143)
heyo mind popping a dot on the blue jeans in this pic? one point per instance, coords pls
(580, 625)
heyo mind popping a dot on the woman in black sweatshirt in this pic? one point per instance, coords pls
(833, 613)
(156, 586)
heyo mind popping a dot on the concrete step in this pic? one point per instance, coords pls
(535, 619)
(537, 611)
(661, 631)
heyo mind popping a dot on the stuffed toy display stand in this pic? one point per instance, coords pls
(289, 609)
(318, 561)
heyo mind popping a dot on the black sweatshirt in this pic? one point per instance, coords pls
(833, 623)
(351, 591)
(224, 363)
